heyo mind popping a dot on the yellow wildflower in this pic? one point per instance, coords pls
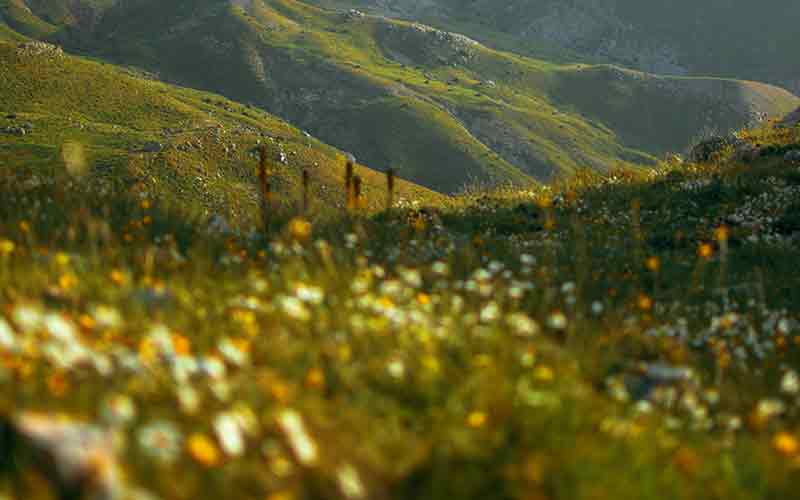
(705, 251)
(477, 419)
(203, 450)
(300, 229)
(786, 444)
(7, 247)
(653, 264)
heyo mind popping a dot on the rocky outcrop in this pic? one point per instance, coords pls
(595, 31)
(793, 119)
(502, 138)
(39, 49)
(420, 44)
(18, 130)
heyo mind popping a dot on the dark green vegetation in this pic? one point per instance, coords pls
(442, 109)
(633, 336)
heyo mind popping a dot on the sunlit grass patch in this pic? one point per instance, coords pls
(616, 337)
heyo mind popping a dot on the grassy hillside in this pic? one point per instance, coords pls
(202, 147)
(626, 337)
(443, 110)
(735, 39)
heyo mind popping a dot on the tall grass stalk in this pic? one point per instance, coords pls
(358, 200)
(348, 185)
(265, 187)
(390, 189)
(306, 187)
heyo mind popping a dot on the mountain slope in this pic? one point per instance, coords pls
(195, 148)
(441, 108)
(728, 38)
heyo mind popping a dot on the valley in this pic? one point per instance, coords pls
(443, 110)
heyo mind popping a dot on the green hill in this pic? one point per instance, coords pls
(442, 109)
(735, 39)
(196, 148)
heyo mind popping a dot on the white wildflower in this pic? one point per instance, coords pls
(118, 410)
(790, 383)
(522, 325)
(310, 294)
(295, 309)
(7, 339)
(60, 328)
(233, 353)
(160, 440)
(304, 448)
(28, 318)
(557, 321)
(396, 368)
(349, 482)
(229, 434)
(490, 312)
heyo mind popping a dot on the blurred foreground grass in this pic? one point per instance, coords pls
(619, 337)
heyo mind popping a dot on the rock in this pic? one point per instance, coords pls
(152, 147)
(219, 225)
(793, 119)
(792, 156)
(708, 149)
(40, 49)
(78, 459)
(353, 14)
(18, 131)
(644, 379)
(660, 373)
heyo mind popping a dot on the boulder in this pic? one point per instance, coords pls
(152, 147)
(77, 458)
(13, 130)
(792, 156)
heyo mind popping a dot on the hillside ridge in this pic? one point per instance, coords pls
(441, 108)
(198, 148)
